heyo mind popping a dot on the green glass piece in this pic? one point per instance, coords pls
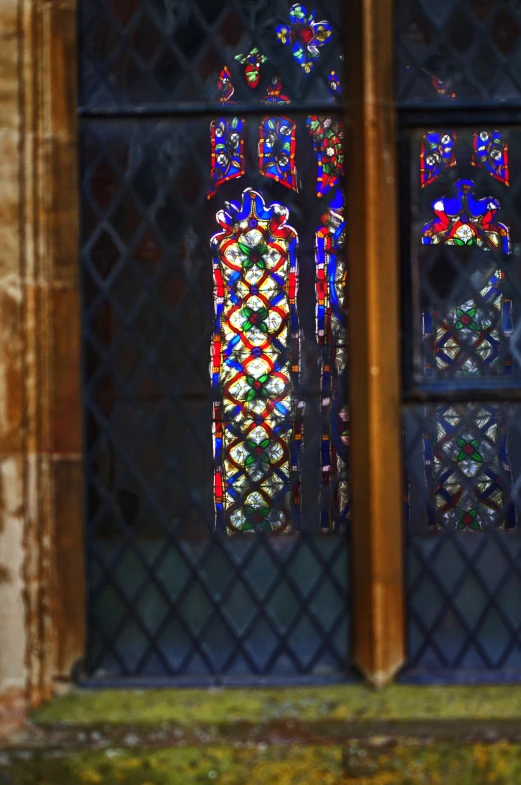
(471, 453)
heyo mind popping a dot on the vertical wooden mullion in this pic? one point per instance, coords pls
(374, 356)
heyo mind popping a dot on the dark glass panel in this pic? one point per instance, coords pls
(166, 52)
(463, 548)
(458, 52)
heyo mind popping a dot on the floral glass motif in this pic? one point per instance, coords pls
(278, 142)
(255, 368)
(331, 328)
(257, 415)
(490, 152)
(304, 36)
(227, 141)
(464, 220)
(437, 153)
(252, 62)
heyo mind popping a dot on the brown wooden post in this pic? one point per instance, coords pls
(374, 357)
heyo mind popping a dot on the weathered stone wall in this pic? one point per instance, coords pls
(12, 630)
(41, 545)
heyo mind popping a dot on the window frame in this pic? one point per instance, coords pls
(54, 530)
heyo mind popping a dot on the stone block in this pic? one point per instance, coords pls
(11, 367)
(9, 203)
(12, 611)
(69, 560)
(65, 384)
(9, 62)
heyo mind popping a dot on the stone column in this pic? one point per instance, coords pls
(41, 540)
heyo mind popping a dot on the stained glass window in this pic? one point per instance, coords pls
(456, 66)
(462, 449)
(255, 369)
(259, 396)
(214, 279)
(463, 254)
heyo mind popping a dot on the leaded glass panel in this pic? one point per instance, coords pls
(466, 254)
(215, 345)
(462, 446)
(463, 544)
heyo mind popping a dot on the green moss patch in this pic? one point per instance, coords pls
(344, 703)
(403, 764)
(177, 767)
